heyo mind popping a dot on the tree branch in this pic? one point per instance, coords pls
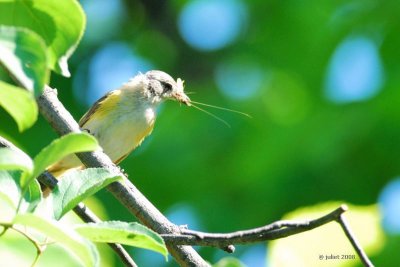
(81, 210)
(271, 231)
(276, 230)
(356, 245)
(62, 121)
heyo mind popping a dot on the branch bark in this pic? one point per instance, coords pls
(271, 231)
(276, 230)
(356, 245)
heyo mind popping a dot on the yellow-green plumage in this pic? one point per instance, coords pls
(123, 118)
(120, 121)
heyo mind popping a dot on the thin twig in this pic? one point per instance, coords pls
(276, 230)
(39, 249)
(356, 245)
(81, 210)
(272, 231)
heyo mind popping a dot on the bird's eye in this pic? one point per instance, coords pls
(167, 87)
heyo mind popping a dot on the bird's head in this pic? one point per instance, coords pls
(161, 86)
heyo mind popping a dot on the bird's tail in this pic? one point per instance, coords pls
(57, 170)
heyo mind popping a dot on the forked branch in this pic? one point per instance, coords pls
(276, 230)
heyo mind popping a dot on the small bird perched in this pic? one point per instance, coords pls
(121, 119)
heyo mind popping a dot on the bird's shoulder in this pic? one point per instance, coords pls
(101, 106)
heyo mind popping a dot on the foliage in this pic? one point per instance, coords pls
(75, 186)
(24, 55)
(133, 234)
(41, 38)
(20, 104)
(60, 26)
(228, 262)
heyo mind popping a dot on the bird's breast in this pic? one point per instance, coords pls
(123, 132)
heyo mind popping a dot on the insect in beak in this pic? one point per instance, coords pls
(179, 95)
(182, 98)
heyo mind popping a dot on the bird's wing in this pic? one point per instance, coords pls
(95, 107)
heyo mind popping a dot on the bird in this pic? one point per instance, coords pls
(124, 117)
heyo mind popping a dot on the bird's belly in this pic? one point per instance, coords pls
(118, 141)
(121, 134)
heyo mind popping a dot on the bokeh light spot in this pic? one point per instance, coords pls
(103, 19)
(210, 25)
(389, 202)
(239, 79)
(255, 255)
(183, 214)
(112, 66)
(355, 72)
(144, 257)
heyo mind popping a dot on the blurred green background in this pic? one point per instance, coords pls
(320, 80)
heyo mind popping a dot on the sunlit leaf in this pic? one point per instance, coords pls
(24, 54)
(9, 190)
(18, 250)
(328, 240)
(132, 234)
(77, 185)
(59, 23)
(20, 104)
(33, 195)
(66, 237)
(15, 160)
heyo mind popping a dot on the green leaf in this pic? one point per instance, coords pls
(33, 195)
(66, 237)
(15, 160)
(61, 147)
(77, 185)
(60, 23)
(20, 104)
(229, 262)
(9, 190)
(24, 54)
(132, 234)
